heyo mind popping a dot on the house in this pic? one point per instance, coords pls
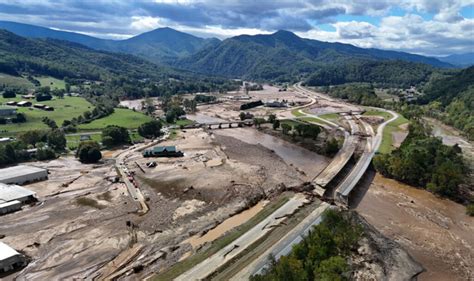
(49, 108)
(39, 105)
(11, 103)
(163, 151)
(85, 138)
(6, 139)
(24, 103)
(28, 97)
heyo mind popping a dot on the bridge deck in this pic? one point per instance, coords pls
(341, 158)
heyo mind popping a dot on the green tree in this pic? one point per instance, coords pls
(56, 139)
(115, 135)
(331, 146)
(88, 152)
(45, 153)
(276, 124)
(242, 116)
(150, 129)
(286, 128)
(271, 118)
(258, 122)
(32, 137)
(332, 269)
(9, 93)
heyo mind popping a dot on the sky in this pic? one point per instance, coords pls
(428, 27)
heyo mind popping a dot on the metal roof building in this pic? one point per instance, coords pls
(9, 258)
(22, 174)
(15, 192)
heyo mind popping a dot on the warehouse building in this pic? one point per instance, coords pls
(10, 207)
(12, 197)
(12, 192)
(22, 174)
(10, 259)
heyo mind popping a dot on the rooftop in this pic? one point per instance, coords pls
(10, 192)
(158, 149)
(6, 252)
(17, 171)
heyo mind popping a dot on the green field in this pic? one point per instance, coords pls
(313, 120)
(15, 81)
(329, 116)
(184, 122)
(64, 109)
(121, 117)
(371, 112)
(73, 140)
(51, 82)
(387, 141)
(297, 113)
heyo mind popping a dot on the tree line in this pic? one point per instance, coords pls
(323, 254)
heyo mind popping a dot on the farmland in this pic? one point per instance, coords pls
(121, 117)
(64, 109)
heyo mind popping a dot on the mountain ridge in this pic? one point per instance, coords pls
(150, 45)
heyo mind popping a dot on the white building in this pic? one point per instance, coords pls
(22, 174)
(9, 207)
(12, 197)
(9, 258)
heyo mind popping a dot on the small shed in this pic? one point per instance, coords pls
(162, 151)
(39, 105)
(28, 97)
(24, 103)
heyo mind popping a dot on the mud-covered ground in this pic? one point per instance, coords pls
(435, 231)
(86, 226)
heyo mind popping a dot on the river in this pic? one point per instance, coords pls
(305, 160)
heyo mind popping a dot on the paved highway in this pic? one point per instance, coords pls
(209, 265)
(284, 245)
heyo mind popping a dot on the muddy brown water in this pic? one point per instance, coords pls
(435, 231)
(225, 226)
(305, 160)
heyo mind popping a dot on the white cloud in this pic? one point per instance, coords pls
(409, 33)
(145, 23)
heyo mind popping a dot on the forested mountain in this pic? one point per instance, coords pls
(399, 74)
(451, 99)
(163, 44)
(462, 60)
(282, 55)
(65, 59)
(157, 45)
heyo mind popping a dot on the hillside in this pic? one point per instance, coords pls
(461, 60)
(60, 59)
(283, 55)
(157, 45)
(455, 95)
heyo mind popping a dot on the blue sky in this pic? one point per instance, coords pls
(429, 27)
